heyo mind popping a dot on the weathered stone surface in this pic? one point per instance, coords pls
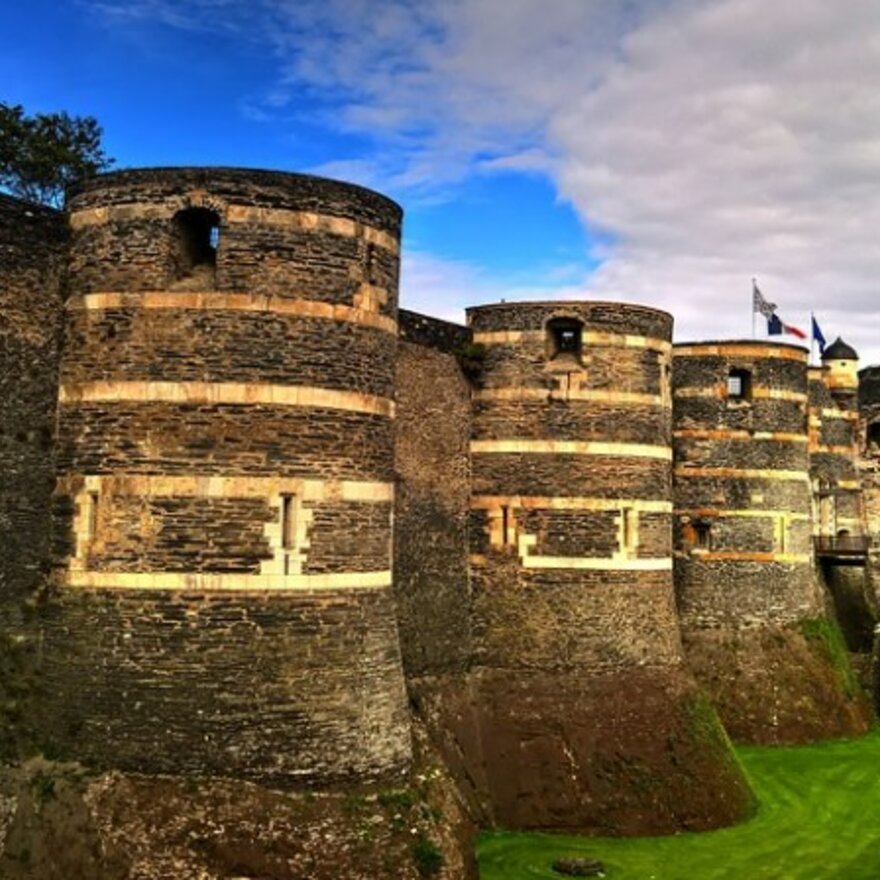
(295, 687)
(572, 598)
(32, 262)
(747, 589)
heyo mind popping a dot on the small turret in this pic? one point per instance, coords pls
(842, 364)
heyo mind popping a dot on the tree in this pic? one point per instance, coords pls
(42, 155)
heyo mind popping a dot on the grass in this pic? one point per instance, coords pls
(818, 819)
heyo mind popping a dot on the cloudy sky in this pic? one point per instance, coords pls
(654, 151)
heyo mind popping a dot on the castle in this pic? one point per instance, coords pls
(255, 520)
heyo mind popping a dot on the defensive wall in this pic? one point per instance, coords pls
(752, 612)
(293, 528)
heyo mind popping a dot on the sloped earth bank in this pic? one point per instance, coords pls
(780, 685)
(57, 822)
(636, 752)
(818, 819)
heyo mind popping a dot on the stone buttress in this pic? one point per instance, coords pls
(752, 614)
(588, 717)
(225, 487)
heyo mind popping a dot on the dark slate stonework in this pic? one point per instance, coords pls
(259, 687)
(301, 687)
(32, 252)
(134, 249)
(222, 439)
(551, 643)
(176, 345)
(744, 586)
(432, 332)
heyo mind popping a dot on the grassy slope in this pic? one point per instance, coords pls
(818, 819)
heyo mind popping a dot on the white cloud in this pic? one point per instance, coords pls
(709, 140)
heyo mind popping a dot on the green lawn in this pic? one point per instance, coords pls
(818, 819)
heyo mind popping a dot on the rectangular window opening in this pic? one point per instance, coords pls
(739, 385)
(703, 533)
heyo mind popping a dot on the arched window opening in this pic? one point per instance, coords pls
(739, 385)
(196, 239)
(565, 340)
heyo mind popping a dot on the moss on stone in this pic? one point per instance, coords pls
(825, 639)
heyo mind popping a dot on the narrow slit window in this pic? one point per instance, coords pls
(370, 265)
(739, 385)
(93, 515)
(782, 534)
(505, 526)
(288, 522)
(628, 529)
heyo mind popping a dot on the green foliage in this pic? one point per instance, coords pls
(816, 821)
(397, 799)
(427, 856)
(825, 638)
(42, 155)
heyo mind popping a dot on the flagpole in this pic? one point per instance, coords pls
(754, 285)
(812, 339)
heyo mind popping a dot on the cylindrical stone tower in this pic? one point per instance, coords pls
(588, 715)
(226, 478)
(834, 421)
(752, 614)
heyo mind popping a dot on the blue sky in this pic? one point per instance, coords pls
(659, 151)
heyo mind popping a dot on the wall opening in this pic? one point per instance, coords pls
(506, 537)
(92, 525)
(196, 238)
(874, 435)
(703, 536)
(288, 529)
(629, 532)
(565, 339)
(739, 384)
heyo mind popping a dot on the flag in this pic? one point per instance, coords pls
(794, 331)
(818, 336)
(759, 304)
(774, 326)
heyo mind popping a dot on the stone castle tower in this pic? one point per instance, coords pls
(225, 479)
(744, 568)
(262, 524)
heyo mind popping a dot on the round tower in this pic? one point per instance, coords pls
(834, 443)
(752, 615)
(226, 478)
(583, 695)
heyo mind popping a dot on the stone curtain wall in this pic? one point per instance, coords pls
(576, 645)
(747, 592)
(225, 485)
(32, 257)
(431, 577)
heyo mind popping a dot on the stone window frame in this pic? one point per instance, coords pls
(561, 326)
(195, 201)
(739, 385)
(702, 535)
